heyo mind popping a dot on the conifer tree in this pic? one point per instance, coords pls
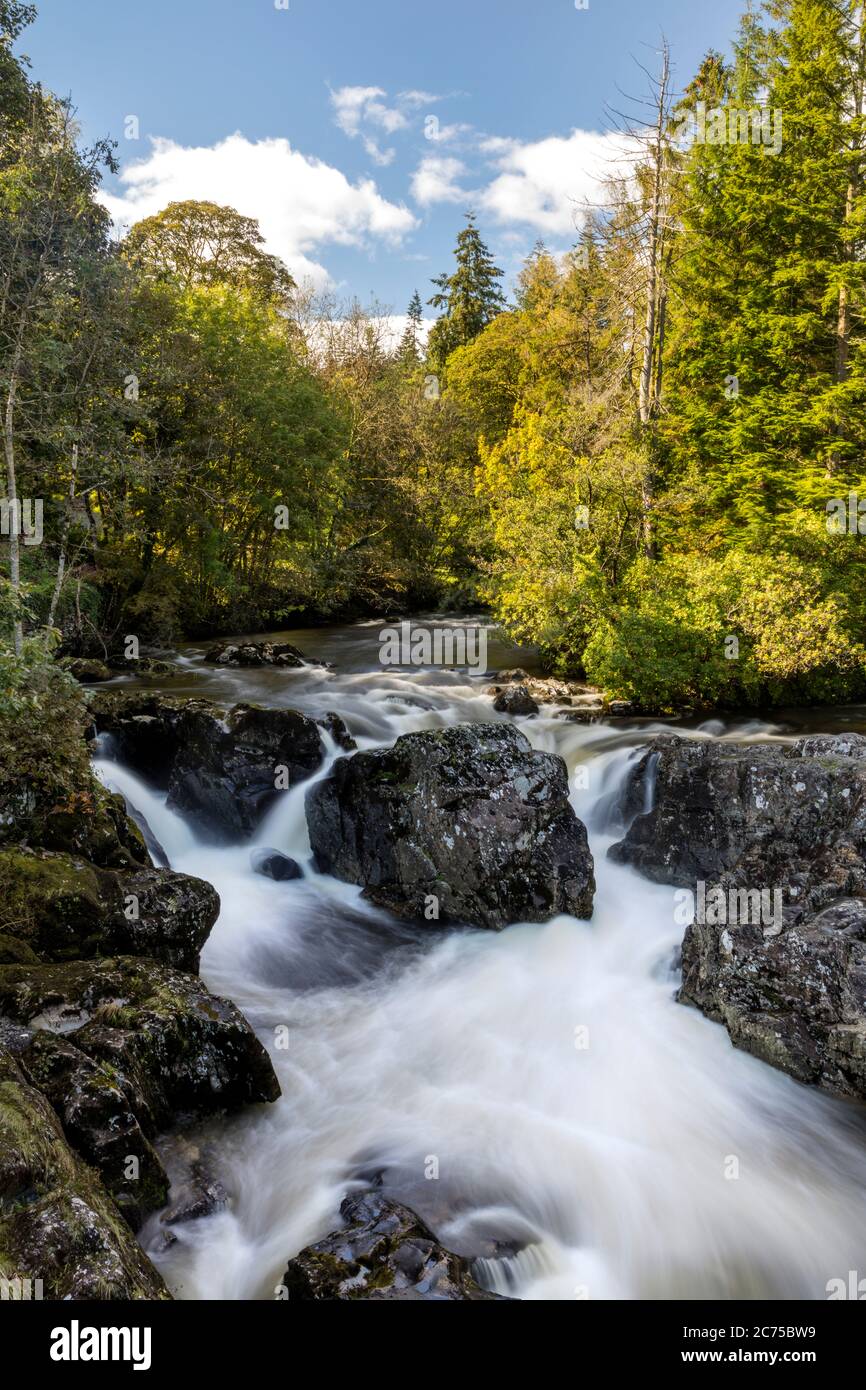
(409, 351)
(469, 298)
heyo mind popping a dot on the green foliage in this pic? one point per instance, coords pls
(216, 450)
(200, 243)
(744, 629)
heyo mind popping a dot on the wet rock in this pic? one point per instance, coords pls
(619, 708)
(96, 1108)
(515, 699)
(63, 908)
(145, 731)
(174, 1048)
(227, 779)
(199, 1196)
(459, 825)
(272, 864)
(87, 669)
(786, 971)
(57, 1223)
(143, 666)
(338, 731)
(94, 825)
(556, 690)
(224, 773)
(257, 654)
(383, 1253)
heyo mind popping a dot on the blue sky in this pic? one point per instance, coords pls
(321, 119)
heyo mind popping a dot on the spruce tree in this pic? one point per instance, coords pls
(409, 351)
(767, 373)
(469, 298)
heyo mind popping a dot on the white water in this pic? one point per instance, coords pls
(605, 1164)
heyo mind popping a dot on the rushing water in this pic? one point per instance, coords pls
(592, 1137)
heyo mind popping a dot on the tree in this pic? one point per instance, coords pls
(55, 262)
(470, 297)
(200, 243)
(409, 351)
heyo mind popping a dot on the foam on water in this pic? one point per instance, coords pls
(584, 1125)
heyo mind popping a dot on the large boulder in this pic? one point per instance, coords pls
(515, 699)
(257, 654)
(383, 1253)
(173, 1048)
(57, 1223)
(460, 825)
(88, 670)
(227, 778)
(771, 839)
(223, 772)
(64, 908)
(96, 1106)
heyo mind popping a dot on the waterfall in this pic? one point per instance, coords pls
(593, 1138)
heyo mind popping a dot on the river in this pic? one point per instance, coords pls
(537, 1095)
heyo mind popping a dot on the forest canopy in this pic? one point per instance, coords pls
(648, 462)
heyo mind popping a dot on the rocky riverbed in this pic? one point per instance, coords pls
(443, 1047)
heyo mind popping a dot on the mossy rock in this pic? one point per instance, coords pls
(57, 1223)
(63, 908)
(384, 1252)
(174, 1048)
(86, 669)
(97, 1112)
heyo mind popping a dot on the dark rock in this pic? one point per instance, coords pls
(272, 864)
(469, 816)
(146, 731)
(338, 731)
(557, 690)
(383, 1253)
(199, 1196)
(143, 666)
(786, 820)
(94, 825)
(173, 1047)
(86, 669)
(256, 654)
(515, 699)
(224, 773)
(63, 908)
(227, 778)
(57, 1223)
(97, 1111)
(619, 708)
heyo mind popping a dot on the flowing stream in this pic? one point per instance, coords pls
(537, 1095)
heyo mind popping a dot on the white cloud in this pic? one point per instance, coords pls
(300, 203)
(435, 180)
(546, 183)
(416, 98)
(357, 107)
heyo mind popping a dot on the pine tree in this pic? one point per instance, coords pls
(409, 351)
(767, 372)
(470, 298)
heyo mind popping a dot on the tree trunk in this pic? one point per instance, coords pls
(12, 495)
(61, 562)
(654, 295)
